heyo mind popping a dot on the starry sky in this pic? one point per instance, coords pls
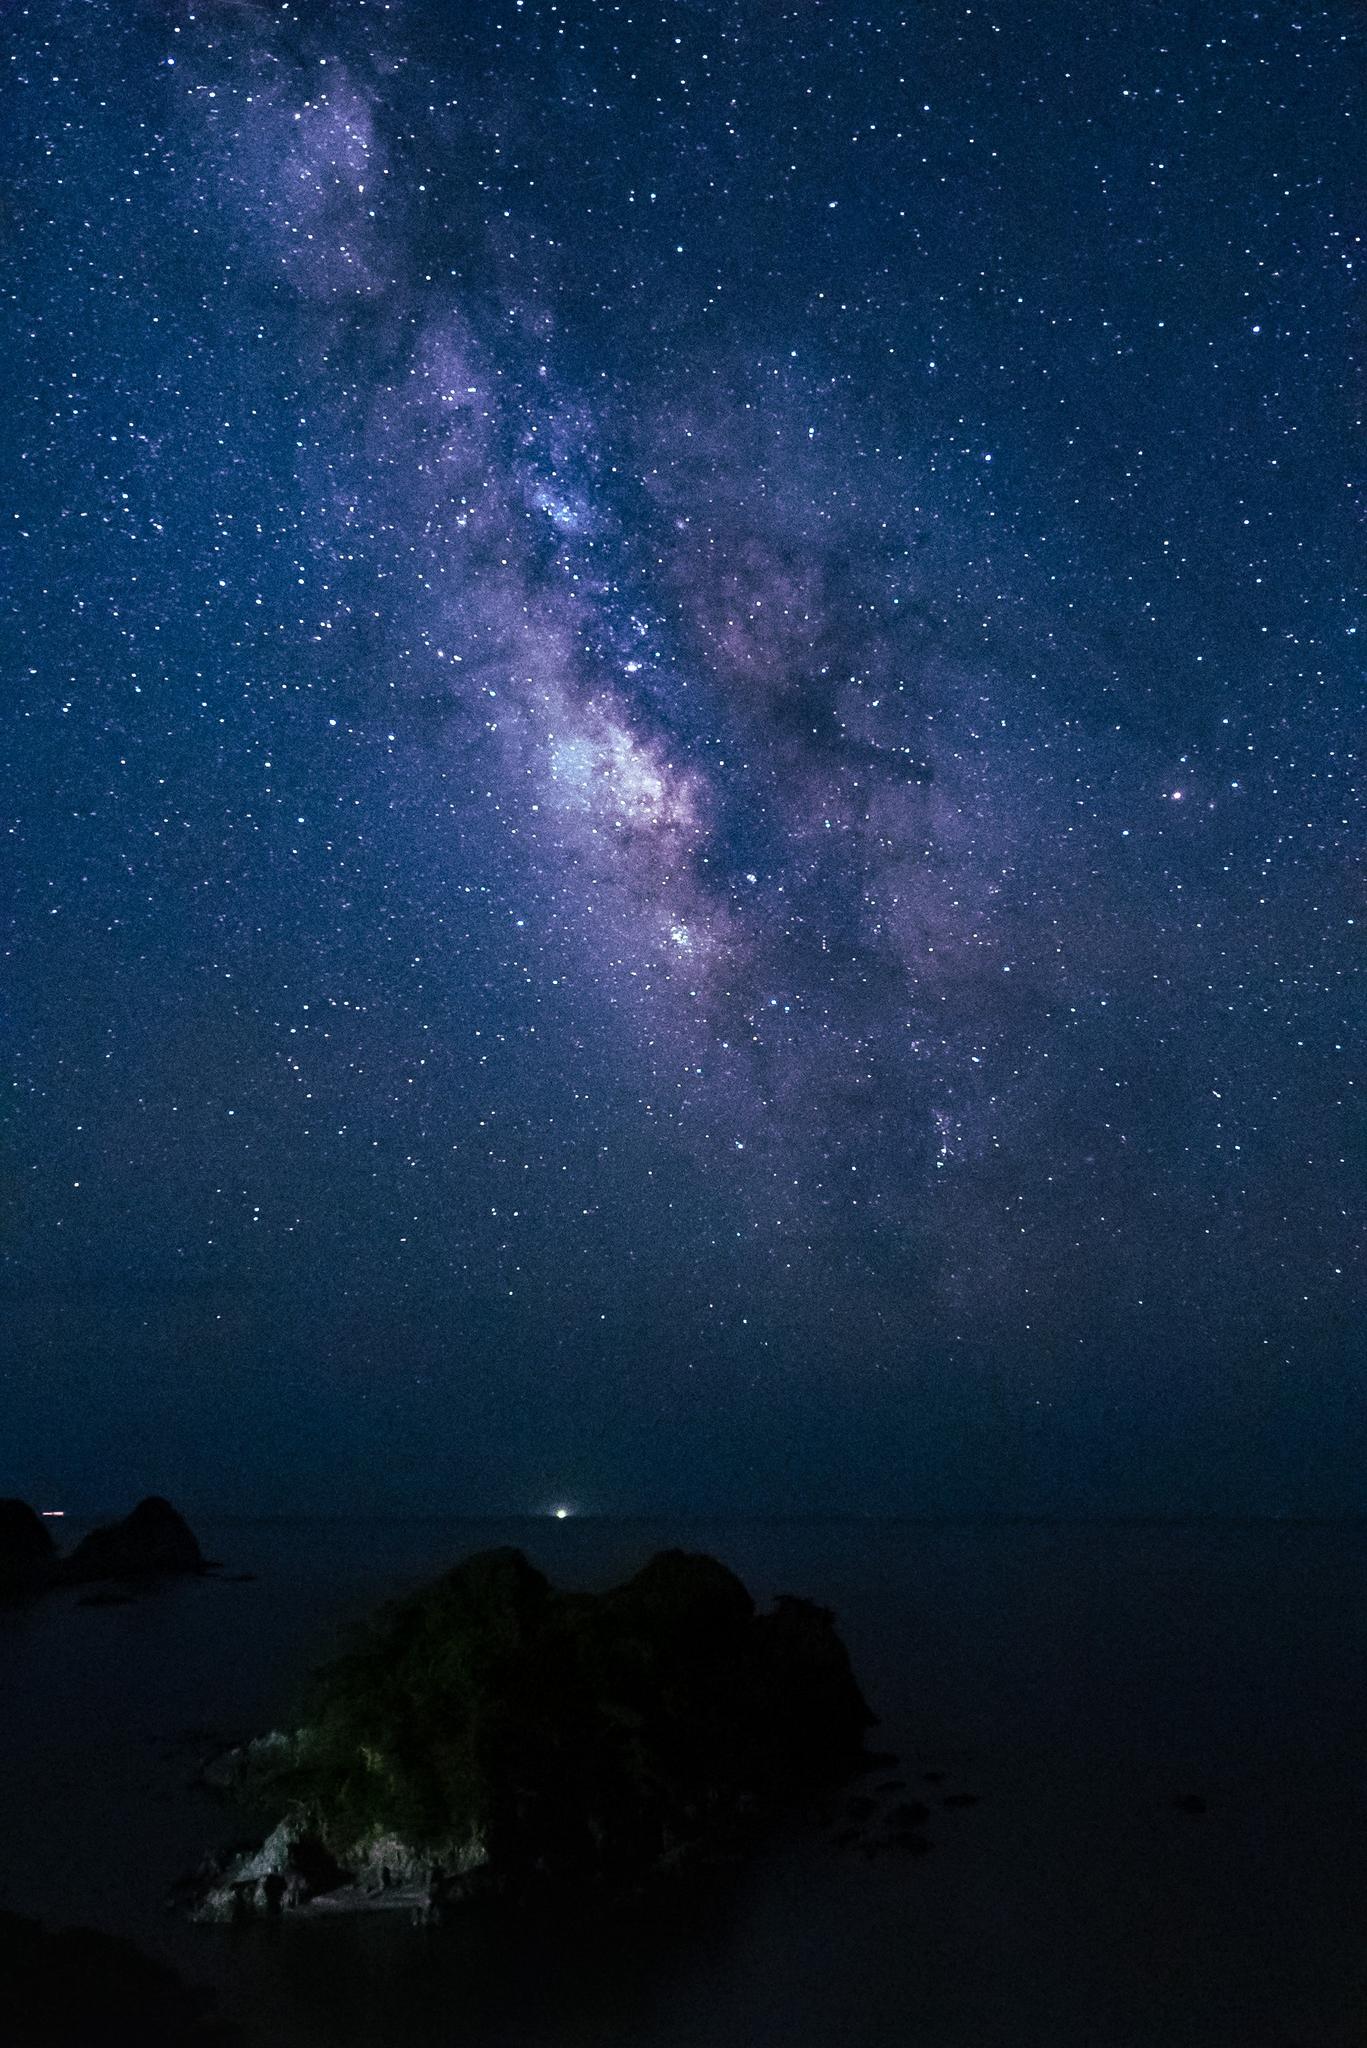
(681, 824)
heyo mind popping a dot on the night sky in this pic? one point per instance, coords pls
(681, 824)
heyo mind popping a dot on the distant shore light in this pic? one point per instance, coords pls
(562, 1514)
(51, 1514)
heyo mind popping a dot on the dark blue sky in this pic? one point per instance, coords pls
(681, 818)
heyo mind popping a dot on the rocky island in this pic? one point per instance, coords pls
(491, 1736)
(28, 1560)
(152, 1541)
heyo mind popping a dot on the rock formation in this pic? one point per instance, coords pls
(26, 1552)
(489, 1734)
(154, 1538)
(74, 1988)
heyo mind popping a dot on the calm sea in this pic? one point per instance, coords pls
(1077, 1678)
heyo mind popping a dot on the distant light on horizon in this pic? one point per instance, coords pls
(51, 1514)
(562, 1514)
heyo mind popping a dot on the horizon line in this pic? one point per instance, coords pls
(850, 1517)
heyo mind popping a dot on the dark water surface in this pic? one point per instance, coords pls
(1076, 1677)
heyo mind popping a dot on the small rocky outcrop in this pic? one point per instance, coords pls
(153, 1539)
(492, 1736)
(294, 1868)
(75, 1988)
(27, 1559)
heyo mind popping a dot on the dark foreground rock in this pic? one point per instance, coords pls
(491, 1737)
(78, 1989)
(27, 1558)
(154, 1538)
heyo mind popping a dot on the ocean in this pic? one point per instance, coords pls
(1088, 1682)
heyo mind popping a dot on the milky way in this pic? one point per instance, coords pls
(684, 811)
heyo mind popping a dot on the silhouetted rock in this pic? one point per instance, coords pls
(75, 1988)
(1189, 1802)
(821, 1712)
(154, 1538)
(492, 1735)
(26, 1552)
